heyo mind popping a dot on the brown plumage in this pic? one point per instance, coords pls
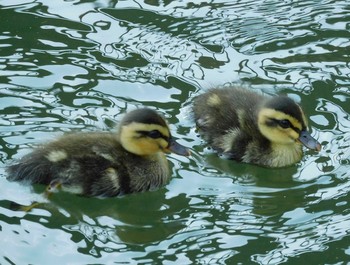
(253, 128)
(104, 163)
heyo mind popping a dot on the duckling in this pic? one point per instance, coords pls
(252, 128)
(104, 163)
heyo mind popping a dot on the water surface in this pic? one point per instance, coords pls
(80, 65)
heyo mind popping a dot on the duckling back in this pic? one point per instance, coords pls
(224, 113)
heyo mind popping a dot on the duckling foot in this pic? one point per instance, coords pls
(25, 208)
(53, 187)
(28, 208)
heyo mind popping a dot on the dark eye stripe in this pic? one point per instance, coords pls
(295, 129)
(155, 134)
(284, 124)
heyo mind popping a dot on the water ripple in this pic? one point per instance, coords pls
(78, 65)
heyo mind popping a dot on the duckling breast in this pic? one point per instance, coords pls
(273, 155)
(149, 173)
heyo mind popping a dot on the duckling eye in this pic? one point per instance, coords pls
(154, 134)
(284, 124)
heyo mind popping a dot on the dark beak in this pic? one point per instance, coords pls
(177, 148)
(307, 140)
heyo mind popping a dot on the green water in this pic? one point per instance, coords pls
(80, 65)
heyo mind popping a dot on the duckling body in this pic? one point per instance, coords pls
(104, 163)
(253, 128)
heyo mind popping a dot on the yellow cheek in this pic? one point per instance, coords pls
(282, 136)
(293, 134)
(148, 147)
(285, 136)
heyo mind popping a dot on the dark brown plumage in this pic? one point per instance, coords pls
(253, 128)
(104, 163)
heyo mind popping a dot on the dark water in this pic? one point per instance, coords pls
(79, 65)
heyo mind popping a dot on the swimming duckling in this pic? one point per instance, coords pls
(104, 163)
(252, 128)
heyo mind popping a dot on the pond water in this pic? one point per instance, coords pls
(80, 65)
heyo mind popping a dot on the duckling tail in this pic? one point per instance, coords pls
(31, 168)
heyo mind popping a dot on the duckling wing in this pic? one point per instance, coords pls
(213, 114)
(88, 174)
(226, 118)
(88, 164)
(95, 175)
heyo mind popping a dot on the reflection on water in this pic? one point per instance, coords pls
(79, 65)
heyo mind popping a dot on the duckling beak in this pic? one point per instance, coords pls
(177, 148)
(307, 140)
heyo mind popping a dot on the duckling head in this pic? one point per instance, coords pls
(145, 132)
(282, 121)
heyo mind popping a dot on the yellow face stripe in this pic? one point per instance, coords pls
(137, 143)
(267, 113)
(277, 134)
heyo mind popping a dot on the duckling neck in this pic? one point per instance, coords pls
(150, 172)
(285, 154)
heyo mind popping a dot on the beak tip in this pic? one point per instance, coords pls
(185, 152)
(318, 147)
(308, 141)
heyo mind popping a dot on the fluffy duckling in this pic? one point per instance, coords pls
(252, 128)
(103, 163)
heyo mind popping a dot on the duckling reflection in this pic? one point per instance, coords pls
(104, 163)
(270, 191)
(252, 128)
(134, 219)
